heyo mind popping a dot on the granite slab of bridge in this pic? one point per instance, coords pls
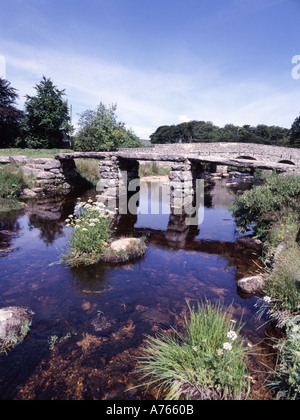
(195, 157)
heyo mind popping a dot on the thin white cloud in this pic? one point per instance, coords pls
(148, 98)
(183, 118)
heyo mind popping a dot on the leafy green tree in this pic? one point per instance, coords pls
(10, 116)
(206, 131)
(229, 133)
(100, 130)
(47, 123)
(164, 134)
(294, 137)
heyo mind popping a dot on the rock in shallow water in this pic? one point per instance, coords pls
(124, 249)
(253, 284)
(14, 326)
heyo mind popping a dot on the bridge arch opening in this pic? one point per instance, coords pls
(287, 162)
(246, 157)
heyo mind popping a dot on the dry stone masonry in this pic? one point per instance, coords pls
(48, 175)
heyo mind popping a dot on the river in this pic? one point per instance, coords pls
(90, 323)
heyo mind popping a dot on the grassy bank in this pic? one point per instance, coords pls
(273, 211)
(87, 168)
(12, 183)
(153, 169)
(33, 153)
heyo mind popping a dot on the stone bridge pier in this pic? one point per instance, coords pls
(116, 176)
(120, 179)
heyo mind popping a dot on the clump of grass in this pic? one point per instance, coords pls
(12, 181)
(9, 204)
(88, 169)
(282, 304)
(284, 230)
(91, 224)
(287, 374)
(150, 169)
(283, 285)
(282, 300)
(15, 338)
(207, 362)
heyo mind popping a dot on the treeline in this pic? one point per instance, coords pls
(46, 124)
(207, 132)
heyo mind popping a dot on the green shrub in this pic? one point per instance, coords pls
(261, 206)
(207, 361)
(100, 130)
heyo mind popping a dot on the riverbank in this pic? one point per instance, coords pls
(273, 210)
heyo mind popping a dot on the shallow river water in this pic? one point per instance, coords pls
(90, 323)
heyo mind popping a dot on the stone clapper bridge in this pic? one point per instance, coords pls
(189, 163)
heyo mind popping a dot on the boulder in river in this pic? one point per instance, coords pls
(253, 284)
(15, 323)
(124, 249)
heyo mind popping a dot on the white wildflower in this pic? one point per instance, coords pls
(84, 229)
(267, 299)
(227, 346)
(232, 335)
(195, 349)
(219, 352)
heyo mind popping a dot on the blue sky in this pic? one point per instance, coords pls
(162, 61)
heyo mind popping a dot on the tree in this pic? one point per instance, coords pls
(47, 122)
(100, 130)
(229, 133)
(206, 131)
(164, 134)
(294, 137)
(10, 116)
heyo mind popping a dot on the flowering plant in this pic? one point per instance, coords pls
(91, 223)
(208, 360)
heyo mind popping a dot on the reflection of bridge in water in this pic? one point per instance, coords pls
(180, 236)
